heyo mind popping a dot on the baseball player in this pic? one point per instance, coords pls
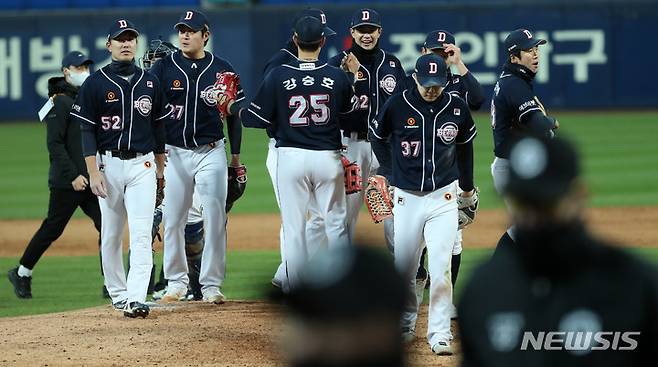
(515, 108)
(67, 178)
(315, 232)
(431, 146)
(196, 157)
(376, 73)
(121, 117)
(463, 85)
(301, 103)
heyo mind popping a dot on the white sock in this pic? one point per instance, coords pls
(24, 272)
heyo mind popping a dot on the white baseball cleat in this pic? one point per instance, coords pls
(213, 295)
(442, 349)
(408, 335)
(174, 294)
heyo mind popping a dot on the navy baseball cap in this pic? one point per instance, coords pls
(431, 71)
(309, 29)
(318, 14)
(366, 16)
(75, 58)
(436, 39)
(193, 19)
(119, 26)
(521, 39)
(541, 170)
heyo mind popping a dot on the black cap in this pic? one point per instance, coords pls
(309, 29)
(541, 170)
(436, 39)
(318, 14)
(194, 19)
(366, 16)
(75, 58)
(349, 282)
(521, 39)
(119, 26)
(431, 71)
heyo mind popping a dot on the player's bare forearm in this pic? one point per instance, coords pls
(235, 160)
(160, 161)
(90, 161)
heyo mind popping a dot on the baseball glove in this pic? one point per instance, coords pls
(468, 207)
(378, 198)
(352, 176)
(159, 193)
(226, 88)
(237, 183)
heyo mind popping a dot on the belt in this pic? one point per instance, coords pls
(123, 154)
(359, 135)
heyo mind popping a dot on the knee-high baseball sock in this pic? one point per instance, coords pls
(454, 268)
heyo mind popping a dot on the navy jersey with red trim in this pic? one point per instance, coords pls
(188, 88)
(423, 139)
(516, 109)
(301, 103)
(464, 86)
(374, 84)
(123, 113)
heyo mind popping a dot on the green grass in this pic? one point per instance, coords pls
(620, 160)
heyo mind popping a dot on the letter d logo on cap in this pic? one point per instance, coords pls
(188, 15)
(123, 24)
(365, 15)
(433, 68)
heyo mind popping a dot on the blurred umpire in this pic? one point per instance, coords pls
(67, 177)
(559, 296)
(515, 109)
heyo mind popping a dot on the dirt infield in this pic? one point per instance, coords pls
(236, 333)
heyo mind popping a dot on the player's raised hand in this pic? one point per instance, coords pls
(352, 64)
(98, 184)
(226, 88)
(454, 54)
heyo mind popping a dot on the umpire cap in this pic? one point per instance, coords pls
(366, 16)
(347, 283)
(193, 19)
(436, 39)
(431, 71)
(542, 170)
(309, 29)
(318, 14)
(75, 58)
(521, 39)
(119, 26)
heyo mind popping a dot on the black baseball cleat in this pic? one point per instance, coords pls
(136, 309)
(22, 285)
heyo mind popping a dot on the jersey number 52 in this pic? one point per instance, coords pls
(111, 122)
(300, 105)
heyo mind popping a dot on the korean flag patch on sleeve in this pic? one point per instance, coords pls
(456, 112)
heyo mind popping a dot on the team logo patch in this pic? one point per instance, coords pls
(111, 97)
(411, 121)
(448, 196)
(147, 164)
(455, 81)
(391, 64)
(388, 83)
(359, 75)
(208, 96)
(176, 85)
(447, 132)
(456, 112)
(143, 105)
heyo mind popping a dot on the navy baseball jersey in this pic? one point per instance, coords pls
(125, 115)
(286, 55)
(423, 137)
(464, 86)
(301, 104)
(515, 108)
(189, 91)
(374, 83)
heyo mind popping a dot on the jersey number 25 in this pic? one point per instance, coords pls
(300, 105)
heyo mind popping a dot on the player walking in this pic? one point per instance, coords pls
(431, 145)
(376, 74)
(120, 115)
(515, 108)
(301, 104)
(196, 157)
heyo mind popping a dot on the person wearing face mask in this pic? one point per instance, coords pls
(376, 73)
(559, 296)
(67, 177)
(423, 139)
(515, 108)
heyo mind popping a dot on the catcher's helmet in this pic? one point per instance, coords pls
(157, 50)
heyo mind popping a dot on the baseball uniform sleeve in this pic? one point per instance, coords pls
(84, 112)
(261, 111)
(350, 102)
(57, 122)
(530, 112)
(158, 124)
(465, 135)
(472, 91)
(378, 134)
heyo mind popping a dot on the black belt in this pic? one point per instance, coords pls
(123, 154)
(361, 135)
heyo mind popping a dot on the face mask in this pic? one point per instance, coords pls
(78, 78)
